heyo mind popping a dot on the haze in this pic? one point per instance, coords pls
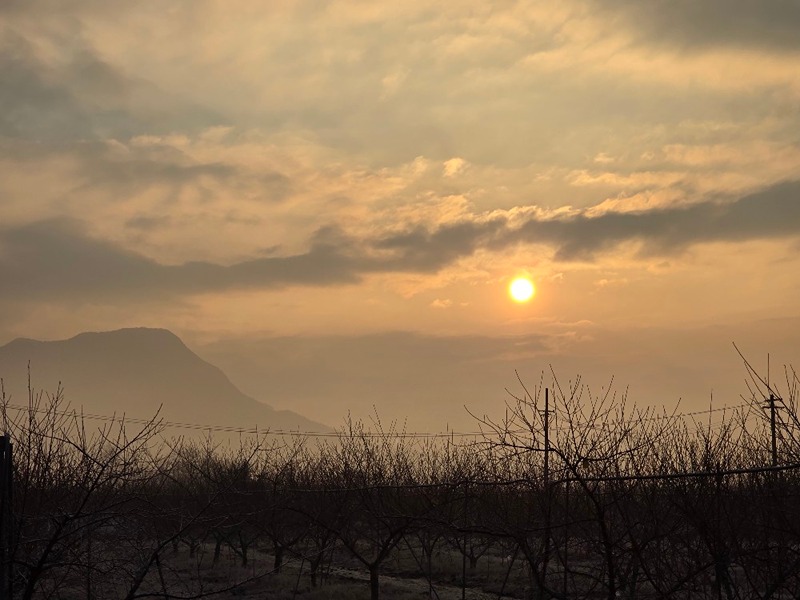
(328, 200)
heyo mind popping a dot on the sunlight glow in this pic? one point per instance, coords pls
(521, 289)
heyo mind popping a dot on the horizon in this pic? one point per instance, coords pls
(77, 370)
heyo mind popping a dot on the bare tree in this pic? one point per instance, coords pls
(377, 473)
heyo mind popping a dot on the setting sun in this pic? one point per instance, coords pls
(521, 289)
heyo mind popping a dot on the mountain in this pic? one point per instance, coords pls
(134, 371)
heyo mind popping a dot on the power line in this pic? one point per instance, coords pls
(317, 434)
(419, 485)
(234, 429)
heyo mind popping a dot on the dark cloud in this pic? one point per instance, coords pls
(32, 104)
(148, 223)
(423, 250)
(774, 212)
(123, 172)
(772, 25)
(81, 96)
(143, 172)
(53, 258)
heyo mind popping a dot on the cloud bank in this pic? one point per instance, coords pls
(55, 258)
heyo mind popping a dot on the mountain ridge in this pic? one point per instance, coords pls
(136, 371)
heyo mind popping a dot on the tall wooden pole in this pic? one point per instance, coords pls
(466, 546)
(547, 498)
(6, 476)
(772, 400)
(3, 522)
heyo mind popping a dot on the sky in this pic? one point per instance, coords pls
(330, 199)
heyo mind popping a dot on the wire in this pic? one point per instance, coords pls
(233, 429)
(317, 434)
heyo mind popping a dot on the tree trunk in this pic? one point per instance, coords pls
(374, 583)
(278, 558)
(217, 550)
(314, 563)
(243, 545)
(429, 556)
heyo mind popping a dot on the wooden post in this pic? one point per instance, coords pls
(566, 536)
(89, 595)
(547, 495)
(6, 472)
(772, 400)
(466, 544)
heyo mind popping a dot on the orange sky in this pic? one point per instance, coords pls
(240, 173)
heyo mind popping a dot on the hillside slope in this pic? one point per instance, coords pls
(134, 371)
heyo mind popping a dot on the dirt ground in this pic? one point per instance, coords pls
(345, 582)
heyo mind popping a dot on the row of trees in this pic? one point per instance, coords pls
(596, 498)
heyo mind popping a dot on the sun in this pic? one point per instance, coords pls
(521, 289)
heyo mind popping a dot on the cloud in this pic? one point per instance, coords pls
(772, 213)
(30, 105)
(732, 23)
(58, 257)
(385, 84)
(58, 87)
(454, 166)
(422, 250)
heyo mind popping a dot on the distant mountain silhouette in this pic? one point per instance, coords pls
(134, 371)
